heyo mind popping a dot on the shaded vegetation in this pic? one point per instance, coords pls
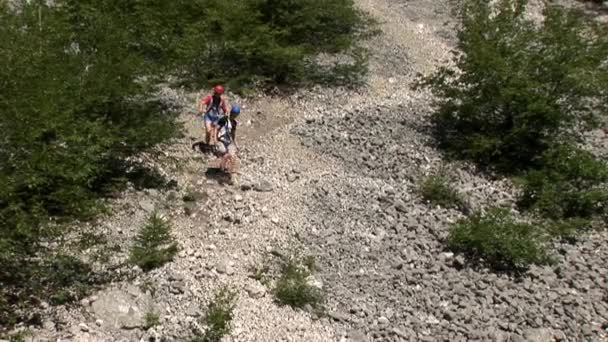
(571, 184)
(517, 100)
(518, 88)
(499, 241)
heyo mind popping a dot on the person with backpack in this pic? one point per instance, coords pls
(227, 146)
(212, 105)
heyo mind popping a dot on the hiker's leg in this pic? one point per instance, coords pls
(208, 131)
(214, 133)
(231, 158)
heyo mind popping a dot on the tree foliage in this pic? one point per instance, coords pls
(518, 87)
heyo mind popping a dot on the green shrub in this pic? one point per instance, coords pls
(218, 317)
(151, 319)
(271, 41)
(517, 88)
(69, 114)
(568, 229)
(293, 288)
(438, 190)
(154, 245)
(570, 184)
(499, 241)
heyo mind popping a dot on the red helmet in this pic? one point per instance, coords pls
(219, 89)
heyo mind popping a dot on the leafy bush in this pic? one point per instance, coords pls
(218, 317)
(570, 184)
(151, 319)
(154, 245)
(72, 104)
(498, 240)
(438, 190)
(293, 288)
(259, 41)
(516, 87)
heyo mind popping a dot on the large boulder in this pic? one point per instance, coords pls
(122, 308)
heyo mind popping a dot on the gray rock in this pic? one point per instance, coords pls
(48, 325)
(459, 261)
(119, 309)
(177, 287)
(255, 291)
(400, 206)
(383, 320)
(399, 333)
(263, 186)
(449, 315)
(224, 267)
(499, 336)
(337, 316)
(447, 256)
(357, 336)
(193, 311)
(539, 335)
(517, 338)
(147, 205)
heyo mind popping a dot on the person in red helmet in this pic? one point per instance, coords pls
(212, 105)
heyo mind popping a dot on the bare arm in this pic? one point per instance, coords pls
(234, 136)
(202, 103)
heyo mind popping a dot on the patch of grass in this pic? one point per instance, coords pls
(260, 273)
(151, 319)
(219, 316)
(293, 288)
(154, 246)
(499, 241)
(438, 190)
